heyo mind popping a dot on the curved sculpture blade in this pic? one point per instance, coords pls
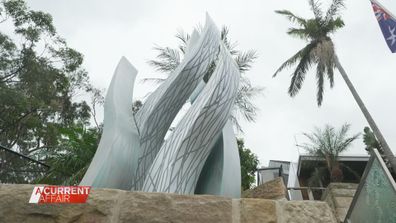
(221, 174)
(160, 109)
(115, 160)
(179, 162)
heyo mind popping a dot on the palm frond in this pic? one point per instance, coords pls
(301, 69)
(235, 123)
(334, 25)
(334, 9)
(162, 66)
(328, 142)
(300, 33)
(344, 129)
(167, 60)
(183, 37)
(330, 71)
(324, 55)
(244, 60)
(315, 7)
(243, 105)
(227, 42)
(292, 60)
(347, 143)
(292, 17)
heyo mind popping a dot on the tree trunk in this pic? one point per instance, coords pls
(387, 151)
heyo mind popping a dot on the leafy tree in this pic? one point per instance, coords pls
(40, 75)
(97, 99)
(371, 143)
(320, 52)
(370, 140)
(249, 162)
(326, 145)
(168, 59)
(72, 156)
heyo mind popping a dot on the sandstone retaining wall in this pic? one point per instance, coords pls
(339, 196)
(108, 205)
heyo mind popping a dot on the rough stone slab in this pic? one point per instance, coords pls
(14, 207)
(340, 192)
(339, 196)
(343, 202)
(258, 210)
(274, 189)
(305, 212)
(341, 213)
(162, 207)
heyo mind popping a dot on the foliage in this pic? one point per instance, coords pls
(320, 48)
(72, 156)
(168, 59)
(18, 169)
(249, 162)
(326, 145)
(136, 106)
(371, 141)
(40, 76)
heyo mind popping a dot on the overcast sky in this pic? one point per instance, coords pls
(106, 30)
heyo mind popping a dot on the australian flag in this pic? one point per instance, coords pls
(387, 22)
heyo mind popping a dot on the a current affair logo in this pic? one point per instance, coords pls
(59, 194)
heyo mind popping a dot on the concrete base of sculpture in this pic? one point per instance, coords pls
(111, 205)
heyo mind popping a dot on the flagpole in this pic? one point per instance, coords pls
(384, 145)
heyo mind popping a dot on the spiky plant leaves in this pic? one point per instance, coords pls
(320, 49)
(168, 59)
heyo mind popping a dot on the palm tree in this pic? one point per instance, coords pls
(168, 59)
(320, 52)
(326, 145)
(71, 159)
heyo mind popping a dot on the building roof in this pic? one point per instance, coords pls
(345, 158)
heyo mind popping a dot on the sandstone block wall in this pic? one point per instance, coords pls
(274, 189)
(339, 196)
(110, 206)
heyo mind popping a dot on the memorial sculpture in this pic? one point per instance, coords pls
(201, 155)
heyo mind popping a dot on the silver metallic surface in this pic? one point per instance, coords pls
(115, 159)
(179, 162)
(201, 154)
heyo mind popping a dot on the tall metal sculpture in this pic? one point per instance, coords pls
(201, 155)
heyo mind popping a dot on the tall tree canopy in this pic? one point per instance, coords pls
(320, 52)
(320, 48)
(40, 76)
